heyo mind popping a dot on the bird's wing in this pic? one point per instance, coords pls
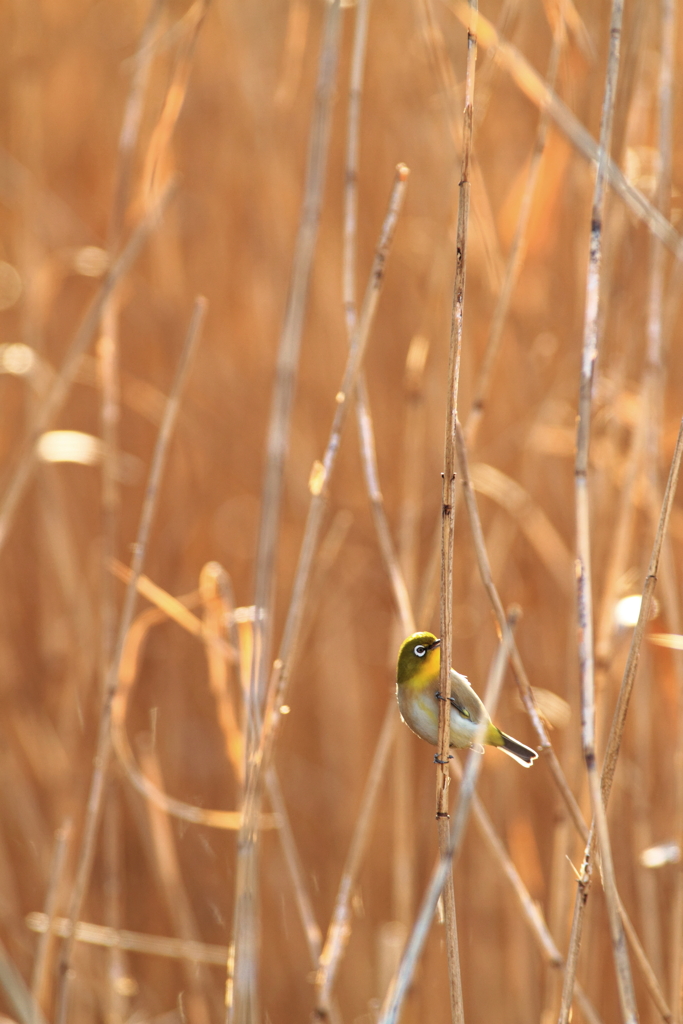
(459, 706)
(456, 677)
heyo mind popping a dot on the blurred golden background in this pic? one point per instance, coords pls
(219, 99)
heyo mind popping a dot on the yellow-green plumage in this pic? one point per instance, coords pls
(417, 683)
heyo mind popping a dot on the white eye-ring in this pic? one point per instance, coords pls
(420, 651)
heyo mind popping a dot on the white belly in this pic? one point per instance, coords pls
(421, 713)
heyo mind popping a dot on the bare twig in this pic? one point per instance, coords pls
(94, 805)
(448, 524)
(584, 579)
(243, 1003)
(288, 353)
(108, 366)
(318, 485)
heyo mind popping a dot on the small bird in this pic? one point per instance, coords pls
(417, 686)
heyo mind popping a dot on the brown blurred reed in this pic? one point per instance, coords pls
(153, 150)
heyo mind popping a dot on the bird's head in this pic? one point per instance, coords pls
(419, 656)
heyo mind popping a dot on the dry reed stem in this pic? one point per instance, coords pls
(519, 671)
(366, 432)
(176, 609)
(288, 356)
(619, 719)
(340, 926)
(531, 520)
(529, 907)
(108, 343)
(135, 638)
(178, 905)
(482, 211)
(485, 372)
(157, 150)
(534, 88)
(108, 368)
(584, 579)
(339, 929)
(412, 489)
(216, 590)
(133, 942)
(526, 694)
(54, 399)
(18, 995)
(318, 485)
(94, 805)
(655, 368)
(243, 1003)
(516, 254)
(130, 126)
(294, 47)
(350, 246)
(217, 593)
(314, 939)
(616, 731)
(443, 777)
(45, 948)
(116, 997)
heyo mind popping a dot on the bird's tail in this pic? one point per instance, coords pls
(522, 754)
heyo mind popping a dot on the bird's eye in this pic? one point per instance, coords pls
(420, 651)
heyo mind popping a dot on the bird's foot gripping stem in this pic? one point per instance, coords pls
(439, 760)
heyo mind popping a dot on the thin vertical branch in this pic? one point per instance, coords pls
(130, 126)
(41, 964)
(512, 269)
(108, 366)
(288, 352)
(400, 983)
(366, 438)
(318, 485)
(219, 607)
(448, 525)
(584, 580)
(243, 1005)
(352, 161)
(94, 805)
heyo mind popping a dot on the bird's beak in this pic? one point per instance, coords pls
(435, 643)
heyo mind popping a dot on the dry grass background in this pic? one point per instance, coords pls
(239, 148)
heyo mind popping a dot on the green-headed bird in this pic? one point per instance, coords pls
(417, 691)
